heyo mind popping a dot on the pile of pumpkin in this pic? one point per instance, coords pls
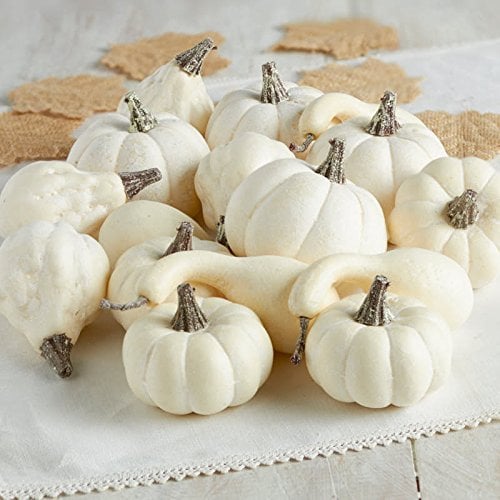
(294, 233)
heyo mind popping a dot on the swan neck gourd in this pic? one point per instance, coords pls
(191, 60)
(463, 211)
(273, 89)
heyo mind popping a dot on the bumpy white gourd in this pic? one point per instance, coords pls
(379, 351)
(273, 112)
(51, 282)
(430, 277)
(381, 153)
(200, 357)
(452, 207)
(139, 221)
(286, 208)
(56, 190)
(137, 261)
(177, 87)
(223, 170)
(115, 143)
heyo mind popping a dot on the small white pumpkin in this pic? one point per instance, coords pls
(380, 153)
(51, 282)
(223, 170)
(123, 292)
(452, 207)
(273, 112)
(115, 143)
(379, 351)
(286, 208)
(56, 190)
(197, 357)
(177, 87)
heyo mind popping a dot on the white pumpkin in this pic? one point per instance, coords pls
(285, 208)
(56, 190)
(223, 170)
(123, 287)
(273, 112)
(197, 357)
(380, 153)
(452, 207)
(51, 282)
(177, 87)
(115, 143)
(379, 351)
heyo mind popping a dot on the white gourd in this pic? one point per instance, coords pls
(452, 207)
(51, 282)
(56, 190)
(177, 87)
(199, 357)
(286, 208)
(223, 170)
(115, 143)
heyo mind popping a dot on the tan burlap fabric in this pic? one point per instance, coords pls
(343, 39)
(140, 58)
(466, 134)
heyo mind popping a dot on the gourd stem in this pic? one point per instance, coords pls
(56, 350)
(135, 182)
(141, 119)
(189, 317)
(463, 210)
(333, 166)
(300, 346)
(296, 148)
(183, 240)
(192, 59)
(384, 121)
(273, 89)
(133, 304)
(374, 310)
(220, 235)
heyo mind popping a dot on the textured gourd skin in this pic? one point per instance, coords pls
(419, 218)
(223, 170)
(171, 90)
(204, 372)
(173, 146)
(137, 261)
(380, 164)
(51, 280)
(56, 190)
(286, 209)
(376, 366)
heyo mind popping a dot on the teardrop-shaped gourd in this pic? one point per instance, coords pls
(223, 170)
(201, 356)
(113, 142)
(51, 282)
(177, 87)
(452, 207)
(287, 208)
(56, 190)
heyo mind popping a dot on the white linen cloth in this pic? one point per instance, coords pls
(89, 432)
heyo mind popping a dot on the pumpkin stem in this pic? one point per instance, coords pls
(135, 182)
(183, 240)
(384, 121)
(189, 317)
(333, 166)
(300, 346)
(192, 59)
(56, 350)
(273, 90)
(463, 210)
(296, 148)
(141, 119)
(133, 304)
(220, 235)
(374, 310)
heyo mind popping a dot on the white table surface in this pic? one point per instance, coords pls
(60, 38)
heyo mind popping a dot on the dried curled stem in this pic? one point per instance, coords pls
(220, 235)
(296, 148)
(141, 119)
(374, 310)
(192, 59)
(135, 182)
(463, 211)
(133, 304)
(300, 346)
(189, 317)
(57, 350)
(384, 121)
(273, 89)
(183, 240)
(333, 166)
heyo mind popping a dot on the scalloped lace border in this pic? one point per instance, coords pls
(147, 477)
